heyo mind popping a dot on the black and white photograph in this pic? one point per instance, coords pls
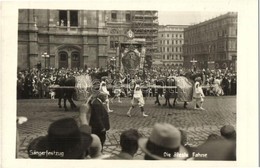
(139, 83)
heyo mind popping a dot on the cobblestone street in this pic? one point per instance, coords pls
(198, 124)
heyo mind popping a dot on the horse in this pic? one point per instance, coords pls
(65, 93)
(159, 91)
(169, 92)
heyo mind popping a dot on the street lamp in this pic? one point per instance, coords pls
(45, 56)
(193, 61)
(113, 60)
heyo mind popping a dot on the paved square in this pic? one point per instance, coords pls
(198, 124)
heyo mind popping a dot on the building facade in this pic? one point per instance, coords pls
(117, 23)
(212, 44)
(170, 42)
(61, 38)
(75, 38)
(145, 26)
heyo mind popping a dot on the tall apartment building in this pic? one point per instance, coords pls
(212, 44)
(79, 38)
(170, 42)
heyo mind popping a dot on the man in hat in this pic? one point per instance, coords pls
(164, 143)
(99, 120)
(65, 140)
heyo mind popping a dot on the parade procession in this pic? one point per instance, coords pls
(145, 96)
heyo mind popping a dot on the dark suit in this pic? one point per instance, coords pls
(225, 86)
(99, 120)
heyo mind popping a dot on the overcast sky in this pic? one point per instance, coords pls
(185, 18)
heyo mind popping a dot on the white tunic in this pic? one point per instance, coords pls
(138, 97)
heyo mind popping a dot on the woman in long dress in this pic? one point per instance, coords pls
(198, 94)
(217, 89)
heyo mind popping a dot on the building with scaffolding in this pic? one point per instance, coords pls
(81, 38)
(145, 25)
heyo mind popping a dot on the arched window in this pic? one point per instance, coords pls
(63, 59)
(75, 56)
(75, 59)
(63, 56)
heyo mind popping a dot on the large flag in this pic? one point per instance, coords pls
(131, 61)
(184, 88)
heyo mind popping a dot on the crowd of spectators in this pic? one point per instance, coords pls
(77, 141)
(34, 83)
(67, 139)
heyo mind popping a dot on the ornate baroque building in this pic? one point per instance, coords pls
(118, 23)
(79, 38)
(212, 44)
(61, 38)
(170, 42)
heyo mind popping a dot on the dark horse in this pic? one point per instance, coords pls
(66, 93)
(159, 91)
(169, 92)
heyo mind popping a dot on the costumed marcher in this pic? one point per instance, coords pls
(103, 89)
(217, 89)
(117, 92)
(138, 99)
(198, 94)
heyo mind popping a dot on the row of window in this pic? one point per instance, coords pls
(230, 45)
(64, 56)
(170, 49)
(172, 35)
(127, 16)
(173, 57)
(171, 41)
(173, 64)
(213, 26)
(214, 35)
(68, 18)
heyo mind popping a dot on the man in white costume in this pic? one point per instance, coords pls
(198, 94)
(138, 99)
(103, 88)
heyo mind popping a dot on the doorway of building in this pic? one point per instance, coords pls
(69, 58)
(63, 59)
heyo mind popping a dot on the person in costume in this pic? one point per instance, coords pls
(137, 99)
(103, 89)
(198, 94)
